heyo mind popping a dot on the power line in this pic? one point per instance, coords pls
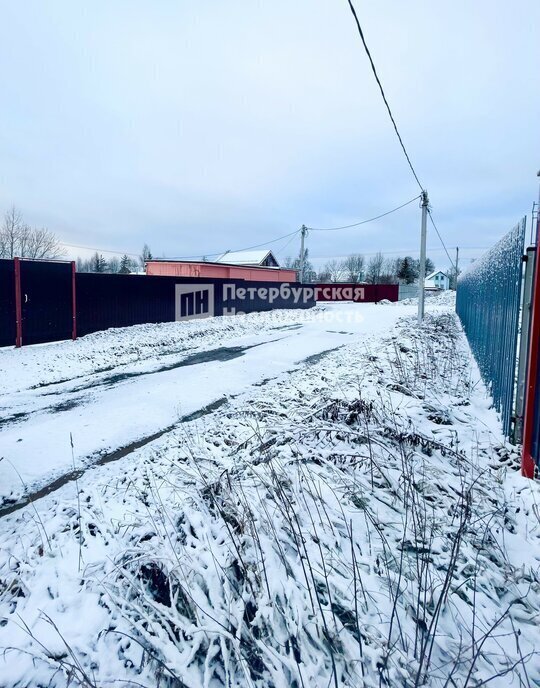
(394, 122)
(99, 250)
(247, 248)
(363, 222)
(441, 239)
(282, 248)
(383, 94)
(413, 251)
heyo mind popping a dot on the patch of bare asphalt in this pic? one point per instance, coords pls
(315, 358)
(224, 353)
(221, 354)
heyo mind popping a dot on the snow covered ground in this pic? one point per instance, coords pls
(309, 498)
(71, 404)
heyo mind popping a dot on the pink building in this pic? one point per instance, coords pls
(184, 268)
(253, 266)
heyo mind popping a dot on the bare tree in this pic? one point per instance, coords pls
(19, 239)
(145, 255)
(310, 274)
(389, 271)
(10, 232)
(375, 268)
(42, 243)
(354, 268)
(113, 264)
(335, 270)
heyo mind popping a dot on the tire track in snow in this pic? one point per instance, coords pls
(220, 354)
(106, 458)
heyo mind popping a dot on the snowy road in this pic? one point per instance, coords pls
(119, 405)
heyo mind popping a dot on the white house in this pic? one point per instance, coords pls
(437, 280)
(262, 258)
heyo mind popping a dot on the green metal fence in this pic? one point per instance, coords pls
(488, 304)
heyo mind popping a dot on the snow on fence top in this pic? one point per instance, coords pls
(488, 304)
(496, 256)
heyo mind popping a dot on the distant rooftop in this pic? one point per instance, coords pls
(260, 258)
(432, 274)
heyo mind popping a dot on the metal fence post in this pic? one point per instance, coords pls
(73, 300)
(524, 338)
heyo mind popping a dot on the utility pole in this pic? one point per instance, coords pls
(303, 233)
(457, 268)
(422, 271)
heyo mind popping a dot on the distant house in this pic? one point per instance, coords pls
(437, 280)
(220, 270)
(262, 258)
(244, 265)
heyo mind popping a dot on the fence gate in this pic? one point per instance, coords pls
(46, 303)
(488, 304)
(7, 302)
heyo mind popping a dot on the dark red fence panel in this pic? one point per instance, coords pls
(531, 430)
(360, 293)
(57, 303)
(7, 303)
(45, 301)
(105, 301)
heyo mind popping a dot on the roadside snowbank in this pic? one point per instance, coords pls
(445, 298)
(33, 366)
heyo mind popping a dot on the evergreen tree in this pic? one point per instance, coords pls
(125, 265)
(430, 267)
(98, 263)
(407, 272)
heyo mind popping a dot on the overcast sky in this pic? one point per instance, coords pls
(204, 126)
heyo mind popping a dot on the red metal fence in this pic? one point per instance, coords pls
(531, 430)
(47, 301)
(360, 293)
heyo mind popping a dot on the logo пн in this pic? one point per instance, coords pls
(194, 301)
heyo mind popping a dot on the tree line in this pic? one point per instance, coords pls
(122, 266)
(19, 239)
(355, 268)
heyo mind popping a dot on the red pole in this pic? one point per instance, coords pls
(532, 392)
(73, 301)
(18, 303)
